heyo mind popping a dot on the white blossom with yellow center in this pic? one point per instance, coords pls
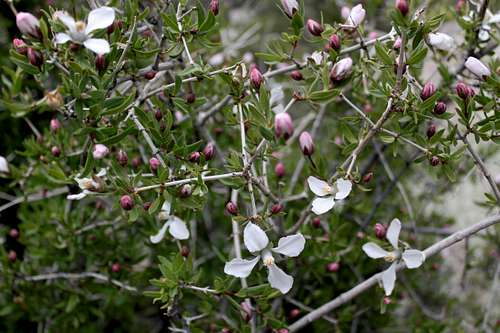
(327, 194)
(175, 226)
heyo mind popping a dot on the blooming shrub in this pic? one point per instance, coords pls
(179, 166)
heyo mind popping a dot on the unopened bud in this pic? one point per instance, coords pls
(440, 108)
(150, 75)
(194, 157)
(290, 7)
(185, 190)
(402, 6)
(283, 125)
(231, 208)
(146, 205)
(55, 125)
(296, 75)
(428, 91)
(431, 130)
(379, 230)
(464, 91)
(100, 151)
(397, 43)
(214, 7)
(306, 144)
(100, 62)
(283, 330)
(158, 115)
(20, 46)
(154, 164)
(477, 67)
(341, 70)
(122, 158)
(12, 256)
(185, 251)
(276, 208)
(368, 177)
(333, 267)
(127, 202)
(334, 42)
(294, 313)
(14, 233)
(279, 170)
(116, 267)
(190, 98)
(54, 99)
(434, 161)
(314, 27)
(55, 151)
(35, 58)
(136, 162)
(316, 222)
(28, 24)
(256, 77)
(387, 300)
(209, 151)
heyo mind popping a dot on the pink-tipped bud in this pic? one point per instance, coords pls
(190, 98)
(146, 205)
(334, 42)
(296, 75)
(316, 222)
(387, 300)
(209, 151)
(464, 91)
(136, 162)
(100, 62)
(460, 5)
(306, 144)
(213, 7)
(294, 313)
(150, 75)
(314, 27)
(477, 67)
(12, 256)
(55, 125)
(154, 164)
(100, 151)
(231, 208)
(397, 43)
(276, 208)
(440, 108)
(434, 161)
(158, 115)
(431, 130)
(341, 70)
(428, 91)
(194, 157)
(127, 202)
(283, 125)
(290, 7)
(333, 267)
(116, 267)
(14, 233)
(279, 170)
(185, 190)
(35, 58)
(28, 24)
(122, 158)
(55, 151)
(256, 77)
(368, 177)
(379, 231)
(20, 46)
(402, 6)
(283, 330)
(185, 251)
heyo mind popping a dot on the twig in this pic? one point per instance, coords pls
(179, 25)
(493, 292)
(35, 197)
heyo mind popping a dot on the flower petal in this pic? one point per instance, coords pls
(4, 165)
(413, 258)
(62, 38)
(240, 267)
(279, 279)
(178, 228)
(344, 187)
(78, 196)
(374, 251)
(290, 246)
(166, 207)
(155, 239)
(389, 279)
(254, 237)
(100, 18)
(68, 21)
(322, 205)
(97, 45)
(318, 186)
(393, 233)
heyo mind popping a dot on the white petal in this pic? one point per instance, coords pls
(344, 187)
(178, 228)
(254, 237)
(78, 196)
(291, 246)
(413, 258)
(240, 267)
(67, 20)
(101, 172)
(4, 165)
(62, 38)
(374, 251)
(389, 278)
(318, 186)
(100, 18)
(97, 45)
(155, 239)
(279, 279)
(393, 233)
(166, 207)
(322, 205)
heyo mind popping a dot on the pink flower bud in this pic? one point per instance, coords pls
(127, 202)
(296, 75)
(158, 115)
(356, 16)
(334, 42)
(294, 313)
(185, 251)
(476, 67)
(316, 222)
(150, 75)
(276, 208)
(122, 158)
(402, 6)
(314, 27)
(306, 144)
(279, 170)
(434, 161)
(440, 108)
(459, 6)
(190, 98)
(256, 77)
(209, 151)
(341, 70)
(231, 208)
(290, 7)
(428, 91)
(20, 46)
(146, 205)
(214, 7)
(185, 190)
(283, 330)
(379, 230)
(464, 91)
(28, 25)
(431, 130)
(154, 164)
(397, 43)
(100, 62)
(283, 125)
(12, 256)
(333, 267)
(35, 58)
(55, 151)
(116, 267)
(194, 157)
(387, 300)
(55, 125)
(100, 151)
(368, 177)
(14, 233)
(136, 162)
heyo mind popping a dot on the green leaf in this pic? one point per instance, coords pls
(417, 55)
(383, 54)
(324, 95)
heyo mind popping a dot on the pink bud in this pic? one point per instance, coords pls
(276, 208)
(356, 16)
(231, 208)
(100, 62)
(316, 222)
(379, 230)
(290, 7)
(294, 313)
(431, 130)
(194, 157)
(136, 162)
(122, 158)
(397, 43)
(402, 6)
(428, 91)
(154, 164)
(127, 202)
(190, 98)
(306, 144)
(283, 125)
(477, 67)
(214, 7)
(334, 42)
(283, 330)
(55, 125)
(279, 170)
(55, 151)
(387, 300)
(333, 267)
(35, 58)
(12, 256)
(296, 75)
(28, 25)
(116, 267)
(314, 27)
(459, 5)
(434, 161)
(14, 233)
(185, 190)
(440, 108)
(209, 151)
(341, 70)
(100, 151)
(256, 77)
(20, 46)
(185, 251)
(464, 91)
(150, 75)
(368, 177)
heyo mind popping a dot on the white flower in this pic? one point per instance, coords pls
(412, 258)
(477, 67)
(4, 165)
(441, 41)
(327, 194)
(100, 151)
(79, 32)
(317, 57)
(88, 185)
(356, 16)
(257, 243)
(176, 227)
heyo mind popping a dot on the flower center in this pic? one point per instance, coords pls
(267, 258)
(391, 257)
(88, 184)
(80, 26)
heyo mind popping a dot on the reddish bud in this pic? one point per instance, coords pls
(122, 158)
(341, 70)
(154, 164)
(20, 46)
(431, 130)
(283, 330)
(116, 267)
(150, 75)
(294, 313)
(209, 151)
(185, 191)
(231, 208)
(397, 43)
(434, 161)
(214, 7)
(459, 5)
(256, 77)
(12, 256)
(194, 157)
(360, 235)
(314, 27)
(35, 58)
(127, 202)
(428, 91)
(368, 177)
(283, 125)
(190, 98)
(100, 62)
(55, 125)
(290, 7)
(440, 108)
(136, 162)
(146, 205)
(306, 144)
(379, 230)
(333, 267)
(402, 6)
(276, 208)
(14, 233)
(464, 91)
(334, 42)
(296, 75)
(185, 251)
(55, 151)
(368, 108)
(158, 115)
(316, 222)
(28, 24)
(387, 300)
(279, 170)
(100, 151)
